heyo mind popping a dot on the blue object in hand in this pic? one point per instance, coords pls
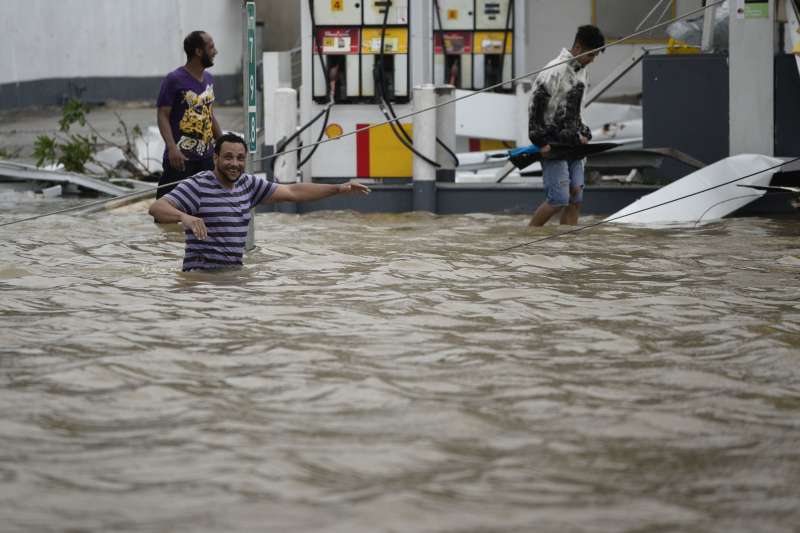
(524, 156)
(524, 150)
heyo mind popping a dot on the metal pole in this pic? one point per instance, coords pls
(752, 77)
(424, 174)
(710, 16)
(445, 133)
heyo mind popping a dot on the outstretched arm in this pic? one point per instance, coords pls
(308, 192)
(164, 212)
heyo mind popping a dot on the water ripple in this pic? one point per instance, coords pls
(398, 372)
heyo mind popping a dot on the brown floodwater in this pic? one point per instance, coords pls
(399, 373)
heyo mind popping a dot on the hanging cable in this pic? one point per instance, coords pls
(379, 79)
(441, 143)
(319, 137)
(523, 76)
(283, 143)
(607, 220)
(408, 115)
(330, 92)
(505, 39)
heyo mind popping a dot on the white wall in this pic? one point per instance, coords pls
(46, 39)
(551, 27)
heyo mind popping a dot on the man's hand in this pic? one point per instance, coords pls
(544, 149)
(195, 224)
(352, 187)
(176, 158)
(583, 139)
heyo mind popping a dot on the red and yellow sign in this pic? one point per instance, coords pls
(380, 155)
(337, 40)
(452, 42)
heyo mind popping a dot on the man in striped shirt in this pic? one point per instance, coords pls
(215, 206)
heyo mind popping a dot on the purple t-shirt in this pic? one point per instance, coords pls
(190, 118)
(226, 214)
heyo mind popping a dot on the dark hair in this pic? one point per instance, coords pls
(228, 138)
(192, 42)
(590, 38)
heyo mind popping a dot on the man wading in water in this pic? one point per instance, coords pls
(554, 117)
(215, 207)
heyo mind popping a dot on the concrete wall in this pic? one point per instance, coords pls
(551, 27)
(98, 40)
(112, 49)
(281, 20)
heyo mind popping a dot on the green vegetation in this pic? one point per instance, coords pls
(75, 151)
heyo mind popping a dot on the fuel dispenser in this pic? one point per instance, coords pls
(347, 37)
(473, 43)
(356, 54)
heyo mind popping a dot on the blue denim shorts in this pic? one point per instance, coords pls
(559, 177)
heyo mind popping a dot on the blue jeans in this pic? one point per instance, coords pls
(559, 177)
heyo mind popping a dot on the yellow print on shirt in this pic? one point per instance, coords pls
(196, 129)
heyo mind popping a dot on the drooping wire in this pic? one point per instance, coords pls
(379, 79)
(437, 11)
(329, 89)
(408, 115)
(505, 38)
(518, 78)
(286, 142)
(607, 220)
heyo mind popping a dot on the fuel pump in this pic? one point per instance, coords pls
(454, 25)
(356, 57)
(473, 43)
(494, 36)
(386, 37)
(347, 34)
(336, 35)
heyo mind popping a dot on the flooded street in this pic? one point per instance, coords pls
(398, 373)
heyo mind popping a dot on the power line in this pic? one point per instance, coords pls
(605, 221)
(408, 115)
(500, 84)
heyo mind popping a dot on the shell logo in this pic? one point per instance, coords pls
(333, 131)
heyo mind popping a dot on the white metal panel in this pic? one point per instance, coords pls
(455, 15)
(276, 72)
(351, 63)
(374, 11)
(682, 202)
(486, 115)
(508, 73)
(401, 75)
(751, 81)
(479, 76)
(438, 69)
(466, 70)
(42, 39)
(338, 159)
(337, 12)
(492, 14)
(319, 78)
(367, 81)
